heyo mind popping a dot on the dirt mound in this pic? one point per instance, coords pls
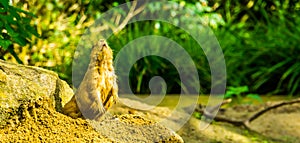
(42, 124)
(39, 122)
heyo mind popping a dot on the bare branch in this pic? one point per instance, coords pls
(244, 123)
(132, 12)
(273, 107)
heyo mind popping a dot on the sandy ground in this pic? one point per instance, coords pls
(278, 125)
(282, 124)
(47, 125)
(44, 124)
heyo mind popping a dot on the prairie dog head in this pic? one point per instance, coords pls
(101, 53)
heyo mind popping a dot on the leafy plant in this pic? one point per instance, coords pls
(259, 40)
(240, 93)
(197, 115)
(260, 45)
(146, 68)
(15, 27)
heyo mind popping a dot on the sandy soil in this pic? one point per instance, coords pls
(278, 125)
(282, 124)
(44, 124)
(48, 126)
(128, 125)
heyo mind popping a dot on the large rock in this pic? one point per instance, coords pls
(20, 84)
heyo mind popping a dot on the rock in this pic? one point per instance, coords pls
(172, 119)
(161, 116)
(20, 84)
(134, 128)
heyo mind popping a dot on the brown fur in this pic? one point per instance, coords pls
(98, 90)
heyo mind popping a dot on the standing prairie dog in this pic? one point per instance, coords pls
(98, 90)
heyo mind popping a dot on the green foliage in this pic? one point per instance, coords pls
(146, 68)
(250, 12)
(197, 115)
(15, 28)
(240, 93)
(235, 91)
(259, 40)
(261, 50)
(60, 24)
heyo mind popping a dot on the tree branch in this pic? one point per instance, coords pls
(245, 123)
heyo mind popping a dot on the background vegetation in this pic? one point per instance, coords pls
(259, 38)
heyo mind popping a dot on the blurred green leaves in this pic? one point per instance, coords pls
(15, 28)
(259, 38)
(260, 43)
(241, 94)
